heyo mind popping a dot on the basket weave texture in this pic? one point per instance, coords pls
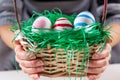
(57, 63)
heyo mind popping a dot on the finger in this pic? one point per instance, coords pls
(96, 70)
(93, 77)
(21, 54)
(103, 54)
(34, 76)
(32, 63)
(32, 70)
(98, 63)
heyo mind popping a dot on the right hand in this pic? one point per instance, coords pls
(28, 62)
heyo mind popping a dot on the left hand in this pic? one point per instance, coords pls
(98, 63)
(28, 62)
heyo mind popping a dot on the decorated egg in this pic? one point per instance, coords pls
(83, 19)
(41, 22)
(62, 23)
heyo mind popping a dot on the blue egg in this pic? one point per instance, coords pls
(83, 19)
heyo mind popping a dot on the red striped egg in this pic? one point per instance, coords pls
(62, 23)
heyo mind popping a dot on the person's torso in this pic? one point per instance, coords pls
(66, 6)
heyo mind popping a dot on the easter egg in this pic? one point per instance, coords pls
(83, 19)
(62, 23)
(41, 22)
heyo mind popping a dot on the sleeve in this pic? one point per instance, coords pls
(7, 15)
(113, 12)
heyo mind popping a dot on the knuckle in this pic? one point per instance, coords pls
(23, 64)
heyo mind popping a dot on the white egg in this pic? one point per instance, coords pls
(83, 19)
(41, 22)
(62, 23)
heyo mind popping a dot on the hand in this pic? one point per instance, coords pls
(28, 62)
(99, 63)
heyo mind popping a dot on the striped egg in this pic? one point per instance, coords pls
(83, 19)
(62, 23)
(41, 22)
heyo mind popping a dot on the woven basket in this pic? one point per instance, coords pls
(55, 61)
(60, 62)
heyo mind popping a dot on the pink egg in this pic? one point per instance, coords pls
(62, 23)
(41, 22)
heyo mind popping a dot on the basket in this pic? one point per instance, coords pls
(68, 60)
(58, 62)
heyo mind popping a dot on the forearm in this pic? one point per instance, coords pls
(6, 35)
(115, 33)
(7, 16)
